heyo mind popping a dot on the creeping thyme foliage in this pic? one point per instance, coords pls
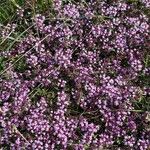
(78, 78)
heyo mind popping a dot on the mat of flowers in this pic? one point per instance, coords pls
(78, 79)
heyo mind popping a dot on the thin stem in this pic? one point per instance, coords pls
(17, 131)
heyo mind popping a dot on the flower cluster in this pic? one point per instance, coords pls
(78, 79)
